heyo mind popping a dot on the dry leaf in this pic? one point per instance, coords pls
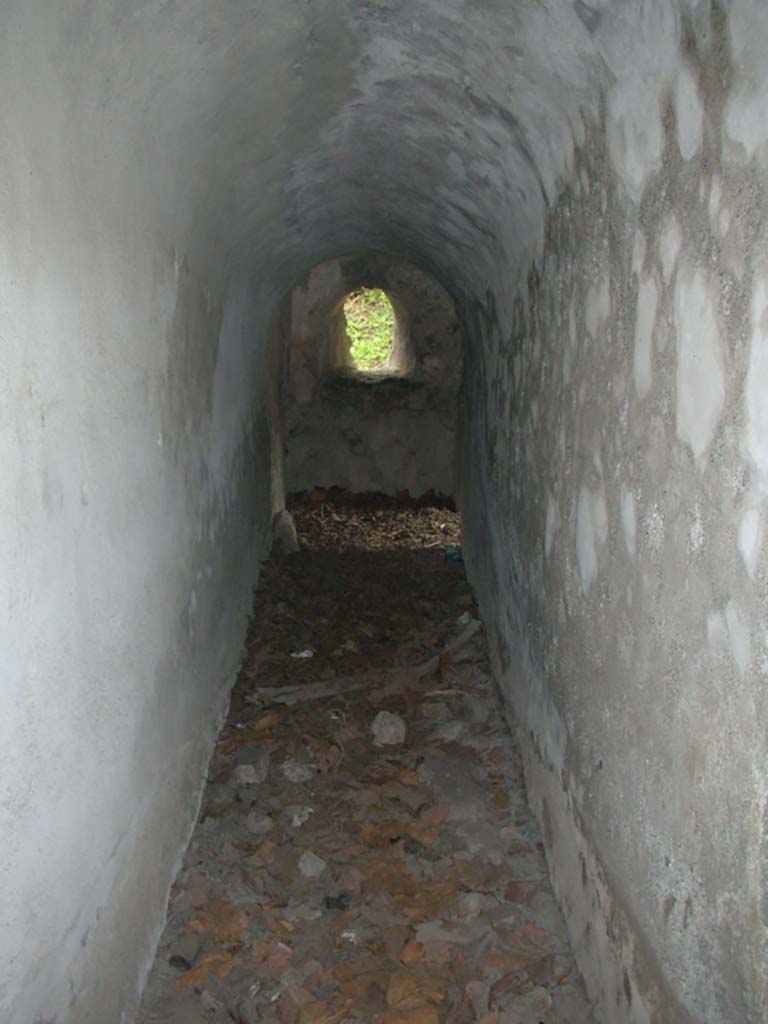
(278, 958)
(422, 834)
(265, 854)
(361, 987)
(370, 834)
(348, 733)
(520, 892)
(541, 971)
(444, 663)
(327, 758)
(394, 937)
(388, 875)
(412, 992)
(227, 923)
(526, 948)
(496, 756)
(409, 778)
(464, 1012)
(533, 1003)
(428, 900)
(319, 1012)
(503, 962)
(265, 722)
(439, 952)
(509, 986)
(531, 933)
(411, 952)
(217, 961)
(421, 1015)
(345, 972)
(563, 975)
(435, 816)
(291, 981)
(480, 877)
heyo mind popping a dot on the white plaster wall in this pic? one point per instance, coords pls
(625, 579)
(129, 531)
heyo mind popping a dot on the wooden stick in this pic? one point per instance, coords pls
(317, 691)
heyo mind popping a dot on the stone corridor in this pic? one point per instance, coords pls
(365, 852)
(566, 204)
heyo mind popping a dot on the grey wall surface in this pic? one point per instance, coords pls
(624, 392)
(389, 431)
(586, 179)
(133, 505)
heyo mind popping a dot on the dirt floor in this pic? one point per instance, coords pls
(364, 853)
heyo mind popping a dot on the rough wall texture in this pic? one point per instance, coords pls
(128, 558)
(625, 444)
(586, 179)
(134, 496)
(388, 431)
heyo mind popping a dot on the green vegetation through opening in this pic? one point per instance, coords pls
(370, 327)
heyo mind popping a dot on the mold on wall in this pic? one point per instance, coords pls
(389, 430)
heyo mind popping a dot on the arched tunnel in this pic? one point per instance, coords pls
(585, 180)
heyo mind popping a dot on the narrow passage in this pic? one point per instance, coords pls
(364, 852)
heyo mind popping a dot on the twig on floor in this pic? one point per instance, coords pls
(318, 691)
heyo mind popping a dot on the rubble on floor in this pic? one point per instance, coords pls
(364, 853)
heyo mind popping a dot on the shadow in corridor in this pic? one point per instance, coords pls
(364, 851)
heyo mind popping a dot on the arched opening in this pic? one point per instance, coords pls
(373, 365)
(370, 326)
(369, 333)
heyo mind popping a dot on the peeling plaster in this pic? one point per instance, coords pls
(647, 304)
(745, 122)
(598, 307)
(550, 527)
(700, 368)
(757, 374)
(690, 114)
(591, 531)
(751, 538)
(738, 635)
(670, 243)
(629, 521)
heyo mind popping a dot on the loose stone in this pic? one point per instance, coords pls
(310, 865)
(388, 729)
